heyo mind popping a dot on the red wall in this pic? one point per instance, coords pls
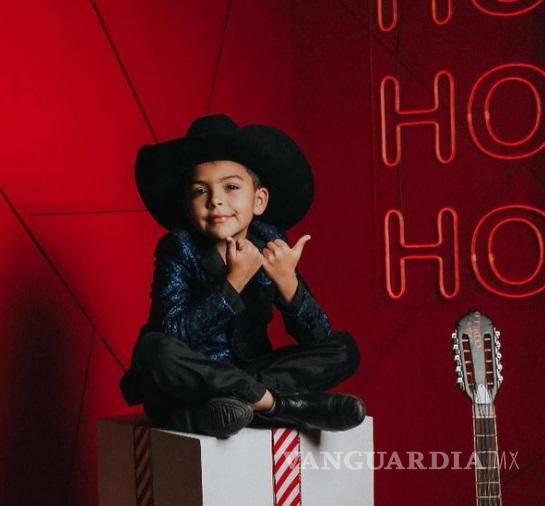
(85, 84)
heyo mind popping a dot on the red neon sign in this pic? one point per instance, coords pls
(502, 8)
(444, 251)
(492, 257)
(440, 116)
(479, 116)
(506, 8)
(392, 6)
(484, 265)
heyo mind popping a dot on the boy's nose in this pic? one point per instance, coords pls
(215, 200)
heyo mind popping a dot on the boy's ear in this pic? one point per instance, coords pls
(261, 200)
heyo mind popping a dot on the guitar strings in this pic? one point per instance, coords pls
(485, 427)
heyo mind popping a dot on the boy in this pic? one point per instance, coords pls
(203, 362)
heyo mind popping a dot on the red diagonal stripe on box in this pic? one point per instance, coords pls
(279, 438)
(142, 466)
(286, 449)
(289, 455)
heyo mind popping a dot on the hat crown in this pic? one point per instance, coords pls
(214, 124)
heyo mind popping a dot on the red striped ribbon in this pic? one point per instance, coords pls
(286, 450)
(142, 466)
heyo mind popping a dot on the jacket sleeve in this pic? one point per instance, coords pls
(174, 309)
(303, 317)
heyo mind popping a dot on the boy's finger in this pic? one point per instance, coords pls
(267, 255)
(246, 243)
(281, 244)
(301, 242)
(231, 247)
(249, 244)
(272, 246)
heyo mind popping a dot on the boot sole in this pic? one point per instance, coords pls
(222, 417)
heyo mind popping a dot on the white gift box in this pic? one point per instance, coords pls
(139, 465)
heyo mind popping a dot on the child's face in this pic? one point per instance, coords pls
(222, 199)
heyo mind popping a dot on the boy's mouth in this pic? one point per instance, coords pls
(219, 218)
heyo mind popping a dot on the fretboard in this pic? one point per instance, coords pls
(487, 466)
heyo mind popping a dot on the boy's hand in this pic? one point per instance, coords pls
(279, 262)
(243, 261)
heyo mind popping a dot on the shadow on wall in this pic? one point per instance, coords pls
(45, 341)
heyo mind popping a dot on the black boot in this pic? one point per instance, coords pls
(220, 417)
(313, 410)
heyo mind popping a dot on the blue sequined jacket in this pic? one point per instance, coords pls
(192, 299)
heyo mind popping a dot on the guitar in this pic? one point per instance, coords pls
(477, 357)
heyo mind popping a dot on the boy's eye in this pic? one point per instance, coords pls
(198, 191)
(232, 187)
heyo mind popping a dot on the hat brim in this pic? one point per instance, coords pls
(278, 161)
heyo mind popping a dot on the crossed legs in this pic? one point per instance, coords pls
(166, 373)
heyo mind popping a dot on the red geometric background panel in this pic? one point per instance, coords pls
(46, 339)
(71, 124)
(168, 52)
(106, 259)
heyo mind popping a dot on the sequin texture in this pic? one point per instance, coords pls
(190, 298)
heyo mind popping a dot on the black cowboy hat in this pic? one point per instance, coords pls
(270, 153)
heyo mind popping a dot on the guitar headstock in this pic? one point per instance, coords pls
(476, 346)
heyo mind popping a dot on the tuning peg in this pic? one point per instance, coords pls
(457, 358)
(498, 355)
(500, 367)
(455, 346)
(498, 345)
(453, 336)
(497, 333)
(460, 383)
(500, 378)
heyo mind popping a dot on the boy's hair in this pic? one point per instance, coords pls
(255, 178)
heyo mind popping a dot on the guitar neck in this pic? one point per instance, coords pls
(487, 466)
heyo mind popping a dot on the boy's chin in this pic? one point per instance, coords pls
(222, 235)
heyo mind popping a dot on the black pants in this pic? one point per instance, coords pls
(166, 372)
